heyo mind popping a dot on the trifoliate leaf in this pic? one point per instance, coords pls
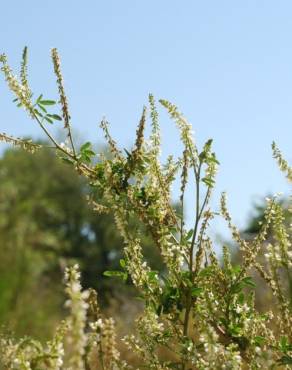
(47, 102)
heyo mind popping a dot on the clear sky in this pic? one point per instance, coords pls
(226, 64)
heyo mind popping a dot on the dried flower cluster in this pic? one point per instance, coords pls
(199, 310)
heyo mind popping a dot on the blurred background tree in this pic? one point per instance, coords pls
(46, 223)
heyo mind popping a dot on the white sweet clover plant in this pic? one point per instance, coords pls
(199, 310)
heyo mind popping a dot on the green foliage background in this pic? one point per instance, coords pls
(46, 223)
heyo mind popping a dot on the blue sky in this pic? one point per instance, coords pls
(226, 64)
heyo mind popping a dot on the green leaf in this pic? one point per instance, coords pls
(47, 102)
(42, 108)
(284, 345)
(248, 281)
(85, 146)
(67, 160)
(55, 116)
(129, 155)
(123, 263)
(189, 234)
(236, 269)
(207, 271)
(86, 152)
(85, 157)
(118, 274)
(110, 273)
(236, 288)
(196, 291)
(169, 298)
(48, 119)
(39, 99)
(285, 360)
(208, 181)
(223, 321)
(186, 278)
(206, 151)
(259, 340)
(37, 112)
(241, 298)
(174, 365)
(235, 329)
(208, 144)
(213, 159)
(152, 275)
